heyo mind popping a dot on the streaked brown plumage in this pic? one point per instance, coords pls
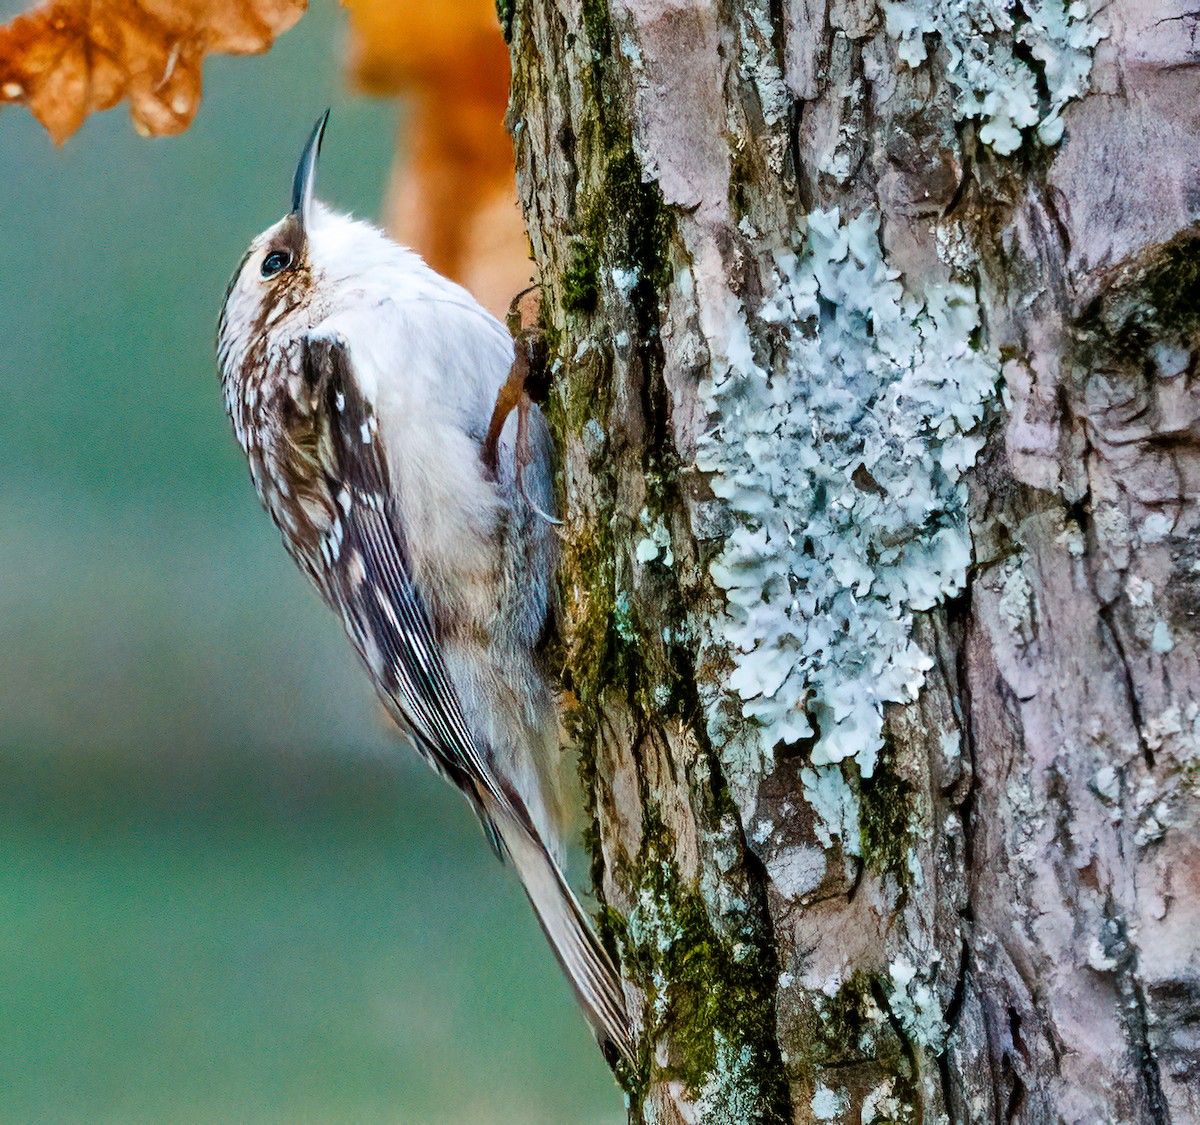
(361, 386)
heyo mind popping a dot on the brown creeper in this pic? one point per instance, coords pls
(361, 386)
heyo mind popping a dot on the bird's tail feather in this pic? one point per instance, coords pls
(596, 982)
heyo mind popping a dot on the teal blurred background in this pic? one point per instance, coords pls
(225, 895)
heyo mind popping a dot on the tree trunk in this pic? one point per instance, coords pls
(874, 335)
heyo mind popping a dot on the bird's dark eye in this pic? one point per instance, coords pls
(276, 262)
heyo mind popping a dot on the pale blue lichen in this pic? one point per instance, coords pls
(842, 460)
(624, 280)
(829, 1104)
(1161, 640)
(914, 1004)
(723, 896)
(656, 544)
(730, 1094)
(988, 45)
(758, 61)
(1155, 527)
(836, 807)
(881, 1104)
(653, 925)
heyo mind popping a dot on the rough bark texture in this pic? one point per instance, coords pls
(999, 919)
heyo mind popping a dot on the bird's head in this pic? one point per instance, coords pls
(301, 269)
(276, 275)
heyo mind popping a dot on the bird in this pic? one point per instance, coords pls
(363, 388)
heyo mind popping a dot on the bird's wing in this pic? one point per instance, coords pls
(368, 578)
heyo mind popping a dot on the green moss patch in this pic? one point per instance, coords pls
(885, 822)
(713, 993)
(1172, 286)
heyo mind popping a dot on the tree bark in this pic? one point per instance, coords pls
(874, 333)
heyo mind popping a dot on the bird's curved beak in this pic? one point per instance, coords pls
(306, 172)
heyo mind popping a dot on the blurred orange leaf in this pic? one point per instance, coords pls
(70, 58)
(455, 48)
(454, 195)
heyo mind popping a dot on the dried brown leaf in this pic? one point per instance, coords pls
(70, 58)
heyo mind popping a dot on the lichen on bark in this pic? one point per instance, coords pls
(892, 808)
